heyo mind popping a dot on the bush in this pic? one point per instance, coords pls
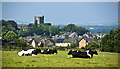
(111, 42)
(93, 45)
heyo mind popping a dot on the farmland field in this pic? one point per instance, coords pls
(11, 59)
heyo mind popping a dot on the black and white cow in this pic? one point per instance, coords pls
(35, 52)
(49, 51)
(29, 52)
(79, 54)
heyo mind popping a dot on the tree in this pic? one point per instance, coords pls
(4, 23)
(73, 28)
(45, 29)
(68, 46)
(73, 44)
(93, 45)
(111, 42)
(12, 23)
(21, 42)
(53, 30)
(36, 25)
(69, 28)
(30, 25)
(8, 26)
(10, 36)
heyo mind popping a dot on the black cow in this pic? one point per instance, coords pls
(93, 52)
(49, 51)
(79, 54)
(35, 52)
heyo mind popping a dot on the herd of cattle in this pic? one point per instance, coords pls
(76, 54)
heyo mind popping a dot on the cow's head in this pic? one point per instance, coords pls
(38, 50)
(55, 51)
(95, 52)
(70, 52)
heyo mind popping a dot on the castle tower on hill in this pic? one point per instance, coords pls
(39, 19)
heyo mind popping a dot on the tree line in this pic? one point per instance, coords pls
(10, 32)
(109, 43)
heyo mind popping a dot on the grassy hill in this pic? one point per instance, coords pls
(11, 59)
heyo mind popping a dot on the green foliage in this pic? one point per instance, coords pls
(73, 44)
(21, 42)
(12, 23)
(53, 30)
(82, 47)
(20, 38)
(10, 32)
(111, 42)
(60, 48)
(93, 45)
(4, 23)
(30, 25)
(36, 25)
(8, 26)
(43, 37)
(73, 28)
(43, 30)
(68, 46)
(10, 36)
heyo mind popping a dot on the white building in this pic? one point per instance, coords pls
(64, 42)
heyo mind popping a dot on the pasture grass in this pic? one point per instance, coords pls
(11, 59)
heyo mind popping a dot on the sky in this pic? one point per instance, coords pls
(62, 13)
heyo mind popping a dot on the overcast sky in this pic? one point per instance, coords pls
(62, 12)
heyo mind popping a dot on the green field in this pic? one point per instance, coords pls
(11, 59)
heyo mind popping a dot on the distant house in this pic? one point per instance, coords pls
(60, 42)
(73, 35)
(49, 43)
(22, 26)
(65, 35)
(43, 43)
(99, 36)
(88, 35)
(35, 42)
(84, 41)
(69, 34)
(64, 42)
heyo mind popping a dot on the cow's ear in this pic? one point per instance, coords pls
(70, 50)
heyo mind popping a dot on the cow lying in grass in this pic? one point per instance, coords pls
(29, 52)
(49, 51)
(79, 54)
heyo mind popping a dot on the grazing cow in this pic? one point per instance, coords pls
(79, 54)
(29, 52)
(49, 51)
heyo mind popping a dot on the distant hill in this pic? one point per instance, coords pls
(101, 29)
(97, 28)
